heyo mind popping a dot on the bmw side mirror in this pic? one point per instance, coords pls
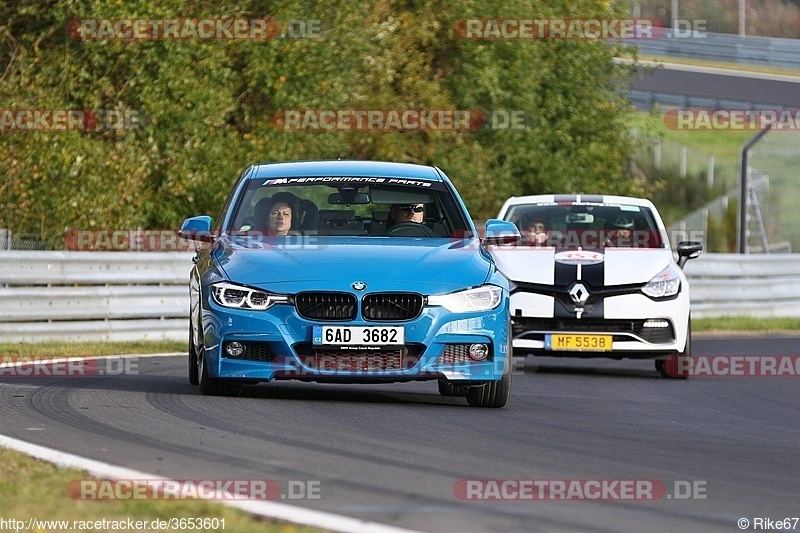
(688, 250)
(500, 232)
(196, 229)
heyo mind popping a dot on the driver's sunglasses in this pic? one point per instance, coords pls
(412, 208)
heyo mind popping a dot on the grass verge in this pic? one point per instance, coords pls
(724, 144)
(88, 349)
(747, 324)
(91, 349)
(746, 67)
(34, 489)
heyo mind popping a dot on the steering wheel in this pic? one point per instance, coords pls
(410, 229)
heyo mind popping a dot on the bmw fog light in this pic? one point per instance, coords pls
(478, 352)
(234, 349)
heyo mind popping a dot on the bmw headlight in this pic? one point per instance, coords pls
(666, 283)
(240, 297)
(483, 298)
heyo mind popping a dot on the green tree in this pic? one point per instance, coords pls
(209, 108)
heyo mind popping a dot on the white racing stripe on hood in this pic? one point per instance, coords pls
(623, 266)
(529, 265)
(634, 265)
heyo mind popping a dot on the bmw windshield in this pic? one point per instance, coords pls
(348, 206)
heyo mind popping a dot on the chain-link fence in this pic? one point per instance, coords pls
(690, 161)
(775, 211)
(716, 223)
(22, 241)
(773, 202)
(695, 193)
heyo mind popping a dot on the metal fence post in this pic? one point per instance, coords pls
(743, 190)
(710, 171)
(683, 160)
(657, 155)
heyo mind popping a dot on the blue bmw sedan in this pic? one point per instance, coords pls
(348, 272)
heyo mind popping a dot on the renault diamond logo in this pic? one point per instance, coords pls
(579, 294)
(359, 285)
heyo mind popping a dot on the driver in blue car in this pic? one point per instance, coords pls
(400, 213)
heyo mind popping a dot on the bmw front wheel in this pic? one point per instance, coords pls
(212, 386)
(492, 394)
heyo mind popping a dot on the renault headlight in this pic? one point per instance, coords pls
(666, 283)
(240, 297)
(483, 298)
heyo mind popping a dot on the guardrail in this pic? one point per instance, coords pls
(763, 285)
(645, 100)
(78, 296)
(726, 47)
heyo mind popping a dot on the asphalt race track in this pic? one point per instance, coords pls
(394, 453)
(765, 92)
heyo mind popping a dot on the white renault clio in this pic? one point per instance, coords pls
(595, 276)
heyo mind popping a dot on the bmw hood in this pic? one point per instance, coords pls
(611, 266)
(429, 266)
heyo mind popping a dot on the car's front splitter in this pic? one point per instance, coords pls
(284, 341)
(627, 308)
